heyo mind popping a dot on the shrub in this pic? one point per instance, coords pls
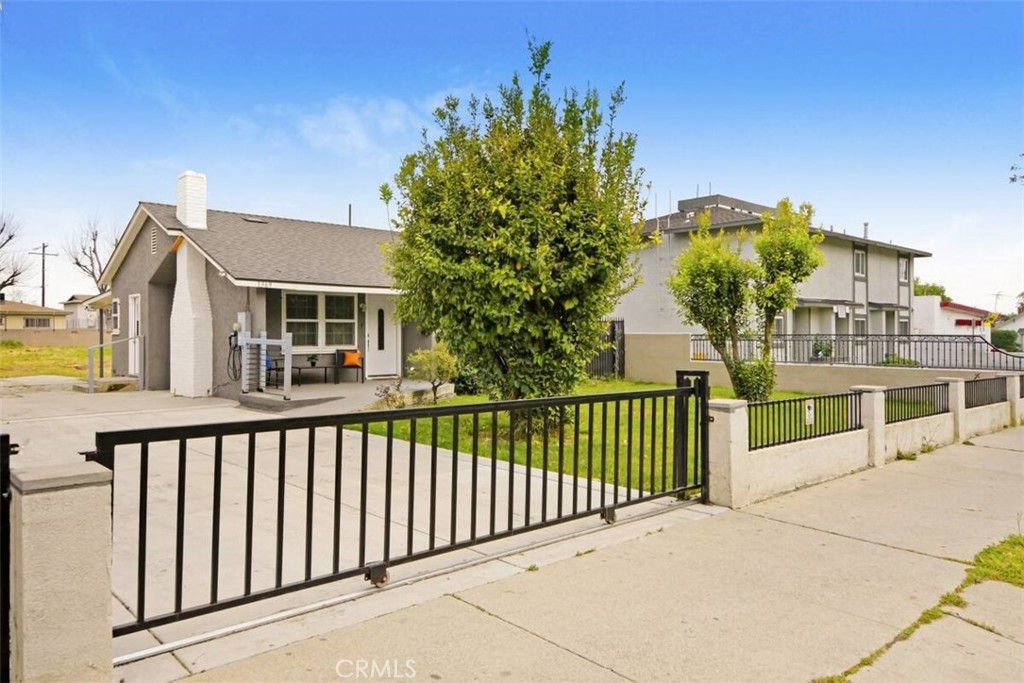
(436, 365)
(754, 380)
(896, 361)
(11, 344)
(1005, 340)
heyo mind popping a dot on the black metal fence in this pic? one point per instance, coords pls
(249, 510)
(984, 392)
(910, 403)
(773, 423)
(914, 350)
(5, 564)
(1020, 384)
(611, 360)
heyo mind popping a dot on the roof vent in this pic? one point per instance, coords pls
(253, 219)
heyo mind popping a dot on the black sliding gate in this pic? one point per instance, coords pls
(208, 517)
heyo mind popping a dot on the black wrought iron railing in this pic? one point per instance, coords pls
(984, 392)
(915, 350)
(911, 403)
(218, 515)
(611, 360)
(773, 423)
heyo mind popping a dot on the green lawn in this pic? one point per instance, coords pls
(25, 361)
(626, 442)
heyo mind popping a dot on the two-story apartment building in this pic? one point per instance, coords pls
(864, 287)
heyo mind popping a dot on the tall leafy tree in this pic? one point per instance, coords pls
(730, 296)
(518, 227)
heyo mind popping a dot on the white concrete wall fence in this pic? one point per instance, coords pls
(739, 477)
(61, 624)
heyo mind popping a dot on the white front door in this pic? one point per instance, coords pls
(134, 329)
(383, 336)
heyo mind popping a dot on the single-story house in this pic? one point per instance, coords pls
(932, 315)
(16, 315)
(81, 316)
(183, 275)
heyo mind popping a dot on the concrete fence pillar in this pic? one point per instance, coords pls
(60, 574)
(872, 416)
(728, 453)
(1013, 381)
(957, 405)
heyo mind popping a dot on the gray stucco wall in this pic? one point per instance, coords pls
(833, 280)
(882, 275)
(413, 340)
(226, 302)
(142, 265)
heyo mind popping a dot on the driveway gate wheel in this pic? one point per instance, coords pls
(378, 575)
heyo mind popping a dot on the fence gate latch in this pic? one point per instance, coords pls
(608, 515)
(711, 418)
(378, 575)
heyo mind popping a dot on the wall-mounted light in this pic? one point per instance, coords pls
(362, 307)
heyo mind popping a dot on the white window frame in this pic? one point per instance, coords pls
(860, 320)
(900, 323)
(321, 321)
(47, 323)
(862, 271)
(115, 316)
(903, 266)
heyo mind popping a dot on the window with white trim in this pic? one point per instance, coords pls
(115, 316)
(37, 322)
(860, 262)
(903, 327)
(860, 326)
(320, 319)
(904, 267)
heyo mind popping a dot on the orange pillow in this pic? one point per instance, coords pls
(351, 359)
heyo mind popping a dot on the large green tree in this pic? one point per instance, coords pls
(519, 223)
(731, 296)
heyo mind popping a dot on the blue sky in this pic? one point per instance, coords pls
(907, 115)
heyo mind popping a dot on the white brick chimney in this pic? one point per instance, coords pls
(191, 327)
(192, 200)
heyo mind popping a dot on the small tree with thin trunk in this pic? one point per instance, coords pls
(437, 366)
(89, 248)
(13, 266)
(731, 296)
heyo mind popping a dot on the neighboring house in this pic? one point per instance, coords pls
(15, 315)
(81, 316)
(932, 315)
(864, 287)
(181, 277)
(1014, 323)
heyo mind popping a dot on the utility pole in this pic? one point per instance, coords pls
(42, 252)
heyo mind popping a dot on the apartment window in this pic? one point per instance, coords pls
(115, 316)
(860, 262)
(903, 327)
(321, 319)
(860, 327)
(37, 323)
(904, 269)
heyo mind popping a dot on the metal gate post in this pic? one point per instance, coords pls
(699, 382)
(6, 449)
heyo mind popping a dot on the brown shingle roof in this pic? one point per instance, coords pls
(16, 307)
(252, 247)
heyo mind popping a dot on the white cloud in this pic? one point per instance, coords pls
(369, 131)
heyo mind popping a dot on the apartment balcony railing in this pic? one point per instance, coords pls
(895, 350)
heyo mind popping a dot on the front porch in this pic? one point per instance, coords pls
(344, 397)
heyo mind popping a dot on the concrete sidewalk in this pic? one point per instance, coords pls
(794, 588)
